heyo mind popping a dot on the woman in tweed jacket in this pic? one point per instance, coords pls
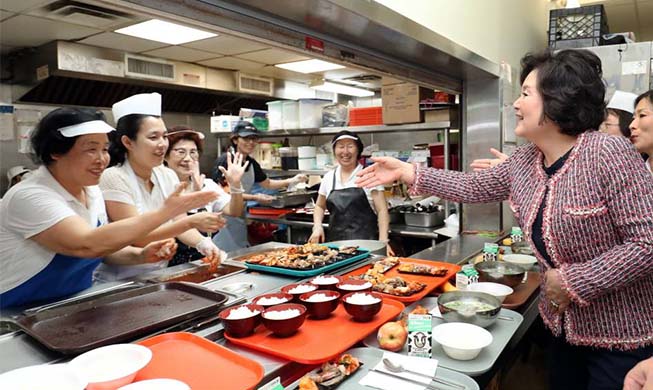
(585, 202)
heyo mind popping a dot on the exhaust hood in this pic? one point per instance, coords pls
(66, 73)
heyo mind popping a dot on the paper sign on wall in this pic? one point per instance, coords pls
(633, 67)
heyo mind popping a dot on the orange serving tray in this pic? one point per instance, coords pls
(318, 341)
(198, 362)
(432, 282)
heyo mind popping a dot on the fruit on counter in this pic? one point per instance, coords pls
(507, 241)
(448, 287)
(392, 336)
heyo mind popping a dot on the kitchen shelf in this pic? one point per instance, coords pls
(431, 126)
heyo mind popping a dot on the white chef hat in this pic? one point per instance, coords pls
(143, 103)
(15, 171)
(624, 101)
(90, 127)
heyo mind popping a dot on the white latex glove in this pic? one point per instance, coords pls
(317, 236)
(299, 178)
(208, 249)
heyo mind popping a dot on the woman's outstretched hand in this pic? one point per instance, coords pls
(386, 170)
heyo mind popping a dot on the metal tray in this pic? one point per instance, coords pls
(423, 219)
(370, 357)
(190, 272)
(119, 317)
(502, 331)
(341, 261)
(286, 199)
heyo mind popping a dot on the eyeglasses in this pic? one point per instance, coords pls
(604, 126)
(181, 153)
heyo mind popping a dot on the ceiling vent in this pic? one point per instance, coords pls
(255, 84)
(148, 68)
(83, 14)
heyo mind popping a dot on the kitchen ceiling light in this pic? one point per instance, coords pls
(166, 32)
(309, 66)
(341, 89)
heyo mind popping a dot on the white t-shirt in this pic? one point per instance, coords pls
(327, 183)
(29, 208)
(117, 185)
(120, 184)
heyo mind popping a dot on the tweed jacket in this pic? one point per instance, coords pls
(597, 228)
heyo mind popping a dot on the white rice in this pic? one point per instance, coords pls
(266, 301)
(325, 280)
(303, 288)
(281, 314)
(355, 287)
(320, 298)
(362, 299)
(241, 313)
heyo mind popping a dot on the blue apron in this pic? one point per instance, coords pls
(64, 275)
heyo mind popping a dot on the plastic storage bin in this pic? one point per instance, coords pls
(290, 110)
(310, 112)
(275, 115)
(577, 27)
(365, 116)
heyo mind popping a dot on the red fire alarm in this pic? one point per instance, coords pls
(314, 44)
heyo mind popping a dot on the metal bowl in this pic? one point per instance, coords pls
(500, 272)
(479, 318)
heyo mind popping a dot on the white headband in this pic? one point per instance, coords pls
(91, 127)
(344, 136)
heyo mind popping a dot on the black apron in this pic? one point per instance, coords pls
(350, 215)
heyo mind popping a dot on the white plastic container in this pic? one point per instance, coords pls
(310, 112)
(306, 151)
(275, 115)
(306, 164)
(223, 123)
(462, 341)
(290, 114)
(321, 160)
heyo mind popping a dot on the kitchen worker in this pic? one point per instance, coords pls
(619, 114)
(354, 213)
(137, 182)
(584, 201)
(641, 128)
(16, 174)
(185, 147)
(617, 122)
(53, 225)
(244, 139)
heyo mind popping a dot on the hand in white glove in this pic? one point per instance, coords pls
(299, 178)
(317, 236)
(207, 248)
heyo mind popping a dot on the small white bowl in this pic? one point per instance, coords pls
(112, 366)
(501, 291)
(525, 261)
(43, 376)
(157, 384)
(462, 341)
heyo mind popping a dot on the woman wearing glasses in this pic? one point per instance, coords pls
(184, 150)
(244, 139)
(137, 182)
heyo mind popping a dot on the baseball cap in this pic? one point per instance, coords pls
(245, 129)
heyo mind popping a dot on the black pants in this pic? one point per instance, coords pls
(578, 368)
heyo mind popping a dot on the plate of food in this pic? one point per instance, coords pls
(404, 279)
(331, 374)
(304, 260)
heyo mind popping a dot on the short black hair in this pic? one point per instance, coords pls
(127, 125)
(625, 118)
(572, 88)
(646, 95)
(46, 139)
(359, 142)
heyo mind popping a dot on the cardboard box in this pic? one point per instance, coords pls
(449, 114)
(223, 123)
(400, 103)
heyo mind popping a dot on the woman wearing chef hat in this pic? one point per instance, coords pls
(53, 227)
(620, 114)
(137, 182)
(16, 174)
